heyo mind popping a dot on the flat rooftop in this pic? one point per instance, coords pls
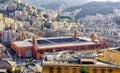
(97, 65)
(55, 42)
(116, 49)
(5, 63)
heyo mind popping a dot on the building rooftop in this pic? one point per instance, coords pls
(116, 49)
(3, 52)
(54, 42)
(5, 64)
(24, 43)
(97, 65)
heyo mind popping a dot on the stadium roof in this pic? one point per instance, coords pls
(55, 42)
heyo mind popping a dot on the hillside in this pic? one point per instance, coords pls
(53, 5)
(93, 8)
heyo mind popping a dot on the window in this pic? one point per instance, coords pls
(58, 70)
(94, 46)
(66, 70)
(88, 47)
(98, 46)
(51, 70)
(41, 51)
(74, 70)
(91, 46)
(94, 70)
(79, 48)
(48, 50)
(76, 48)
(110, 70)
(102, 70)
(57, 50)
(83, 47)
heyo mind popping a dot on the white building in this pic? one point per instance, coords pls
(3, 6)
(17, 13)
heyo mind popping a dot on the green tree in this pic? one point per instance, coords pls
(27, 61)
(84, 70)
(9, 70)
(20, 6)
(17, 70)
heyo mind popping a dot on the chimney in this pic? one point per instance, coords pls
(34, 41)
(75, 33)
(23, 36)
(93, 37)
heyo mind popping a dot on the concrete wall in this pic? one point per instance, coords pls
(20, 50)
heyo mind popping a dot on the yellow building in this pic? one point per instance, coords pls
(9, 20)
(2, 26)
(1, 23)
(111, 55)
(76, 68)
(1, 16)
